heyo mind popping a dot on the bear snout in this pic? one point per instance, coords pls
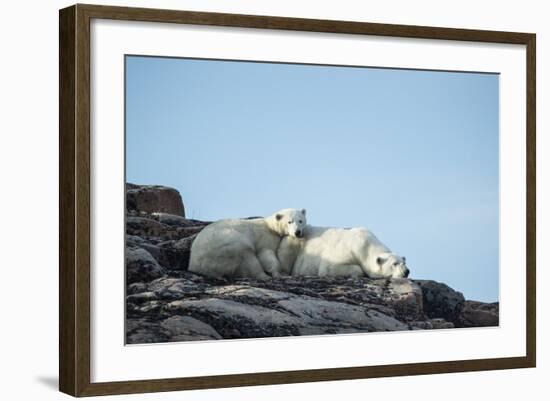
(407, 272)
(299, 233)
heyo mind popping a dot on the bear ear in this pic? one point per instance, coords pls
(278, 216)
(304, 212)
(404, 259)
(381, 260)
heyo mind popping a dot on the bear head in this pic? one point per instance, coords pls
(392, 265)
(290, 222)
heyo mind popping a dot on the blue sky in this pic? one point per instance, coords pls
(411, 155)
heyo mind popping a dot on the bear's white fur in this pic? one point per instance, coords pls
(244, 248)
(327, 251)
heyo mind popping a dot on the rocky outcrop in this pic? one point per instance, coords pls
(476, 314)
(141, 266)
(441, 300)
(154, 198)
(280, 307)
(165, 302)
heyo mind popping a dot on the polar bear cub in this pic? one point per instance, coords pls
(245, 248)
(327, 251)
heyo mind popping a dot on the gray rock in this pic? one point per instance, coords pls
(185, 243)
(170, 254)
(185, 328)
(237, 310)
(421, 325)
(136, 241)
(175, 328)
(165, 302)
(177, 221)
(142, 331)
(141, 297)
(154, 198)
(136, 288)
(144, 227)
(399, 298)
(440, 300)
(141, 266)
(406, 298)
(170, 219)
(176, 254)
(145, 309)
(439, 323)
(171, 257)
(236, 320)
(479, 314)
(170, 288)
(152, 230)
(286, 306)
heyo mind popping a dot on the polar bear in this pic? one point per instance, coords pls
(245, 247)
(324, 251)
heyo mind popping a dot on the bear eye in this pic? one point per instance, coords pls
(300, 221)
(289, 222)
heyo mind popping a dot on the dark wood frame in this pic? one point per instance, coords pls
(74, 199)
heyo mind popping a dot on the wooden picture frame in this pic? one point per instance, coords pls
(74, 199)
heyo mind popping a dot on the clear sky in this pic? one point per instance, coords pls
(411, 155)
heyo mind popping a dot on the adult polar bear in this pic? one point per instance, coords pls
(245, 248)
(327, 251)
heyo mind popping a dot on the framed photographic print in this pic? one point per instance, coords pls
(250, 200)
